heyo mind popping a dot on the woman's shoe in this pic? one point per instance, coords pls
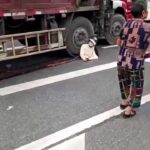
(130, 114)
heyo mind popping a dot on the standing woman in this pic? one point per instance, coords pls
(133, 41)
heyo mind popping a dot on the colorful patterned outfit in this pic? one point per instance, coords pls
(135, 38)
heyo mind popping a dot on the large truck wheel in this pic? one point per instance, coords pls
(113, 31)
(78, 33)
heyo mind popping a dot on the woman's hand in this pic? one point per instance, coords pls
(118, 41)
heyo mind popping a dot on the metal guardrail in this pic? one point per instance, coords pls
(13, 51)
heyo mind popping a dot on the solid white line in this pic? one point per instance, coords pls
(45, 81)
(110, 46)
(77, 143)
(76, 129)
(147, 60)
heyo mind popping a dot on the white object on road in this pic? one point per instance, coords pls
(10, 107)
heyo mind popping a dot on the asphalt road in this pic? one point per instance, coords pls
(33, 114)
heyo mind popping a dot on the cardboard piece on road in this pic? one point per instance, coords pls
(77, 143)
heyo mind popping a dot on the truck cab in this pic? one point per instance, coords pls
(123, 7)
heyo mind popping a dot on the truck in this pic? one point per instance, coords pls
(48, 25)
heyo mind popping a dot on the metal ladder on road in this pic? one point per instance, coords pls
(53, 41)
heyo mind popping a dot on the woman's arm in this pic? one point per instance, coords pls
(118, 41)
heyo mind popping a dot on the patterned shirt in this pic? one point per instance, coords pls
(135, 38)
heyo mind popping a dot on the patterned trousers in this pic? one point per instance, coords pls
(131, 85)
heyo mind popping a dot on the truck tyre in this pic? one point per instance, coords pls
(77, 33)
(115, 26)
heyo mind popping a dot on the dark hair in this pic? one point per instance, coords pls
(138, 7)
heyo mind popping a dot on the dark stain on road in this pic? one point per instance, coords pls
(29, 64)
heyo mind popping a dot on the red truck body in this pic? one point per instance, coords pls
(38, 7)
(127, 5)
(31, 6)
(123, 7)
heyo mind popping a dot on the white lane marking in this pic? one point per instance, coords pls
(45, 81)
(77, 143)
(110, 46)
(76, 129)
(10, 107)
(147, 60)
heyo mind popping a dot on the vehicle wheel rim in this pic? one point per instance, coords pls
(80, 37)
(116, 28)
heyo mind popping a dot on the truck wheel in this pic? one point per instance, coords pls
(78, 33)
(113, 31)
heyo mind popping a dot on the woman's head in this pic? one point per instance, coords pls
(139, 9)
